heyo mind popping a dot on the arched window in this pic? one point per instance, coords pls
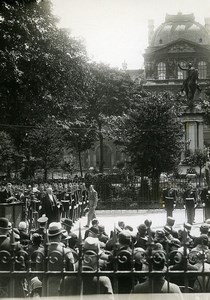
(182, 74)
(202, 69)
(161, 71)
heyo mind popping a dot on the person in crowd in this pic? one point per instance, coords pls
(57, 250)
(71, 239)
(169, 206)
(7, 195)
(92, 202)
(158, 283)
(90, 284)
(190, 204)
(36, 288)
(50, 206)
(9, 245)
(141, 237)
(42, 230)
(170, 222)
(23, 232)
(94, 224)
(102, 236)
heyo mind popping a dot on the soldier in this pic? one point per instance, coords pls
(169, 203)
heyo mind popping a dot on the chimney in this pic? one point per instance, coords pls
(207, 24)
(150, 30)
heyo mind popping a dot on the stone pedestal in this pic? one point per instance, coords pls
(193, 127)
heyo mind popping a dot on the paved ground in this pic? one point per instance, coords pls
(137, 217)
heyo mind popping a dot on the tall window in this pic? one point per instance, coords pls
(182, 74)
(202, 69)
(161, 70)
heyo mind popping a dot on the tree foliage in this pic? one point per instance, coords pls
(42, 67)
(151, 134)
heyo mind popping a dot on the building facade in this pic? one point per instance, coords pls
(180, 39)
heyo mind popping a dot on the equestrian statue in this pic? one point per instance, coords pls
(190, 84)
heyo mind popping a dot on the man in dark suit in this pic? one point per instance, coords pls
(50, 206)
(7, 194)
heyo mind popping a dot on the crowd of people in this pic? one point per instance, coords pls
(52, 245)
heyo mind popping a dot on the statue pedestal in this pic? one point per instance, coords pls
(12, 211)
(192, 120)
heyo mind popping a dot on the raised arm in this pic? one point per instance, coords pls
(183, 69)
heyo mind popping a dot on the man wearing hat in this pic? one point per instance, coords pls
(190, 209)
(42, 230)
(170, 222)
(91, 284)
(50, 206)
(36, 288)
(57, 254)
(158, 283)
(71, 239)
(168, 202)
(141, 237)
(5, 244)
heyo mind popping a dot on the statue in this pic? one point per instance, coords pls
(190, 84)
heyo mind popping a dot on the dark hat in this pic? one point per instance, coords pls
(42, 219)
(170, 221)
(94, 230)
(203, 239)
(142, 227)
(36, 237)
(4, 223)
(187, 226)
(55, 229)
(124, 236)
(94, 221)
(159, 233)
(204, 227)
(128, 227)
(148, 223)
(67, 222)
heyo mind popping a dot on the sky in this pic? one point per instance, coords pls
(115, 31)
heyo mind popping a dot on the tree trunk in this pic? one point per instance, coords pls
(45, 172)
(80, 163)
(101, 142)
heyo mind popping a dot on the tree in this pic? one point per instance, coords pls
(151, 134)
(42, 67)
(110, 94)
(199, 158)
(44, 144)
(7, 153)
(78, 135)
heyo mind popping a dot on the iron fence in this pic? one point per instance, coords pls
(124, 268)
(135, 193)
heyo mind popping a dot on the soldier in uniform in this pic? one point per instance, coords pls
(169, 203)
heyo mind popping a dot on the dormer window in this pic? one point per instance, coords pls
(160, 41)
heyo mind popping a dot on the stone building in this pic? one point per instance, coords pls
(178, 40)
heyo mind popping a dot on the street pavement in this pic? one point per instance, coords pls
(110, 218)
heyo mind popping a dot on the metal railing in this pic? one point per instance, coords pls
(124, 268)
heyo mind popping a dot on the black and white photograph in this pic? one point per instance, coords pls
(104, 149)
